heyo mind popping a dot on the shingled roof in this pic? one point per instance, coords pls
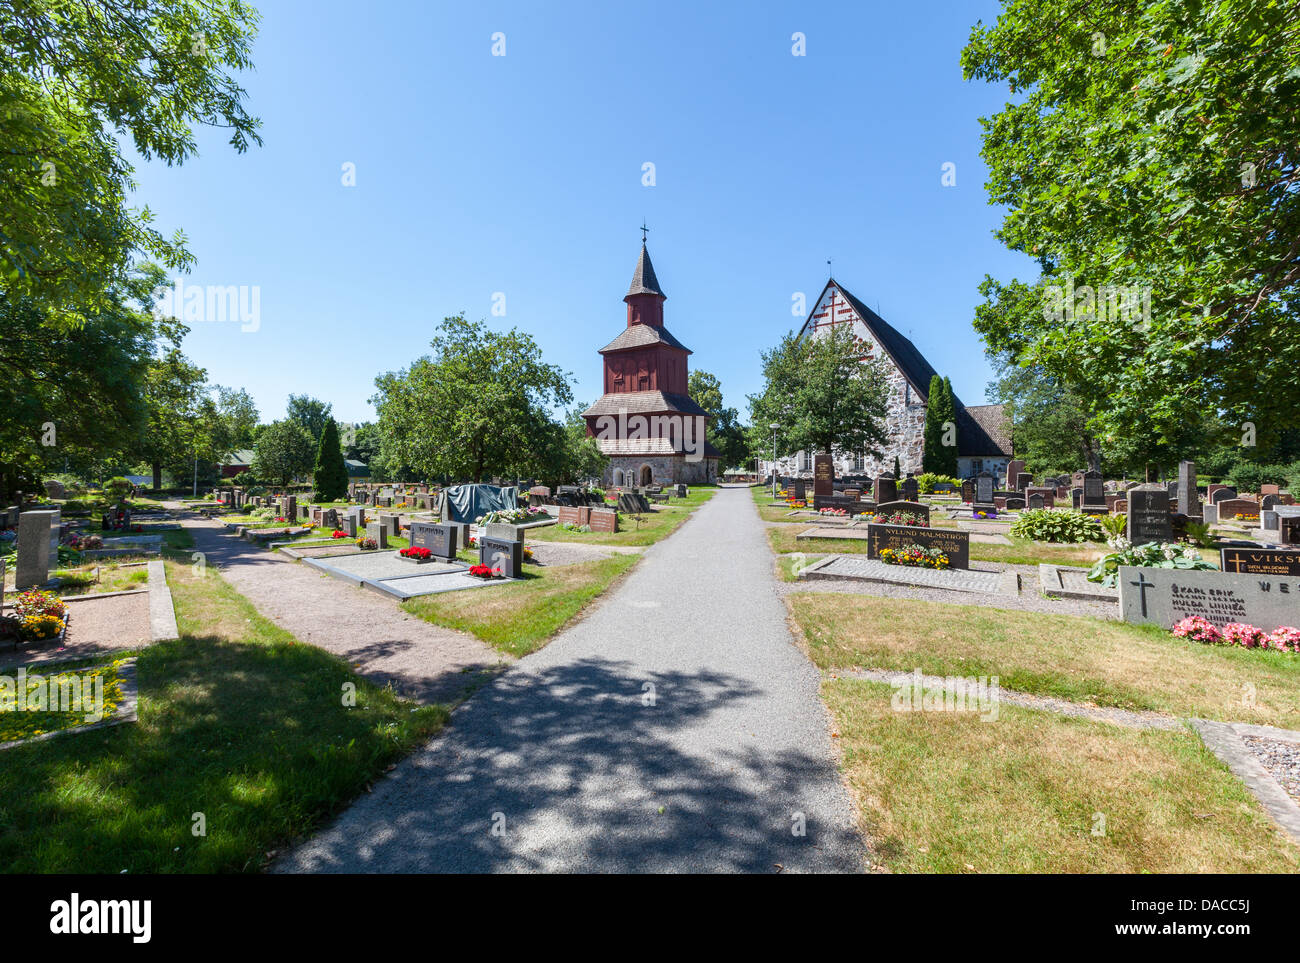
(643, 278)
(983, 430)
(640, 335)
(644, 403)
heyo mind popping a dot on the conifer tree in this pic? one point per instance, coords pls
(330, 479)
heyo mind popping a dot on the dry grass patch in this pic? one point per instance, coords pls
(1020, 552)
(943, 792)
(1082, 659)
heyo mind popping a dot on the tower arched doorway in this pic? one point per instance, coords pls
(647, 476)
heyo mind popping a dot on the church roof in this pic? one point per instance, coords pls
(904, 354)
(644, 403)
(648, 446)
(983, 430)
(641, 335)
(643, 278)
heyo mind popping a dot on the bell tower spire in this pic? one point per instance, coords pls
(644, 298)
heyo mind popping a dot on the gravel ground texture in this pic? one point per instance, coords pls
(1281, 759)
(94, 626)
(677, 728)
(565, 553)
(424, 662)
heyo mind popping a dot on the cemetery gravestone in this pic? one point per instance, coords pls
(440, 540)
(1163, 596)
(392, 524)
(1023, 481)
(1094, 492)
(823, 475)
(38, 548)
(1036, 501)
(603, 520)
(1014, 468)
(1269, 490)
(984, 490)
(910, 489)
(1260, 561)
(885, 489)
(800, 490)
(968, 491)
(953, 543)
(1148, 515)
(574, 515)
(500, 553)
(1222, 493)
(378, 532)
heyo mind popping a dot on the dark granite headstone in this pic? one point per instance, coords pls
(440, 540)
(502, 554)
(952, 542)
(1260, 561)
(1148, 515)
(1094, 491)
(885, 489)
(823, 475)
(983, 489)
(909, 489)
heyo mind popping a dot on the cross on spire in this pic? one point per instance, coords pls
(643, 230)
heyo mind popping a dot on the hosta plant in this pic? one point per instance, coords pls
(1150, 555)
(1051, 525)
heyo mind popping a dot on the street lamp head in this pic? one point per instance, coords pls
(774, 425)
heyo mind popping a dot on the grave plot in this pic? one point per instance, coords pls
(874, 570)
(389, 573)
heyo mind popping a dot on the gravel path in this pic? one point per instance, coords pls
(677, 728)
(1281, 759)
(423, 662)
(1133, 719)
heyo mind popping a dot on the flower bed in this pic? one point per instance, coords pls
(517, 516)
(25, 715)
(915, 556)
(484, 571)
(984, 513)
(839, 512)
(1198, 629)
(40, 617)
(414, 553)
(367, 544)
(910, 519)
(338, 533)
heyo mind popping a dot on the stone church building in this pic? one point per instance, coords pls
(983, 431)
(645, 422)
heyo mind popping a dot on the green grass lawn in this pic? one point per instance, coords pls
(1033, 792)
(520, 617)
(238, 721)
(1070, 657)
(633, 531)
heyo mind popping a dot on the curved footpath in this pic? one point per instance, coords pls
(423, 662)
(676, 728)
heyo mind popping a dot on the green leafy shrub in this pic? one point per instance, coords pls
(1248, 476)
(1113, 525)
(1047, 525)
(928, 481)
(118, 489)
(1151, 555)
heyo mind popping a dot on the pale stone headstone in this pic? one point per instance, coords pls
(38, 547)
(378, 532)
(1163, 596)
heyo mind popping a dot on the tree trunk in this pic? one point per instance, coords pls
(157, 476)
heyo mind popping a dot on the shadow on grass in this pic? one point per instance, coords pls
(254, 737)
(582, 775)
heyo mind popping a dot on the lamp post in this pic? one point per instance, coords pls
(774, 426)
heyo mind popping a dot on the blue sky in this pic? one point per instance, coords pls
(522, 175)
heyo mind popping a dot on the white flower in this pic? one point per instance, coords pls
(1170, 552)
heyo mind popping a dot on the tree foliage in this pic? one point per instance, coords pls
(724, 432)
(478, 405)
(74, 77)
(311, 413)
(940, 411)
(330, 476)
(823, 393)
(284, 452)
(1150, 151)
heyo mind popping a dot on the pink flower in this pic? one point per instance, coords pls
(1285, 638)
(1198, 629)
(1247, 636)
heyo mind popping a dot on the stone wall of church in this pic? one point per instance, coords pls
(664, 469)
